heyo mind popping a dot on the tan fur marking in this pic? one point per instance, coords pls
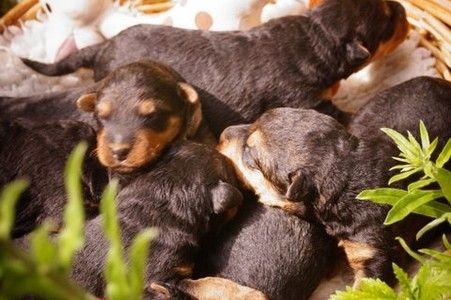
(161, 290)
(255, 139)
(104, 109)
(203, 20)
(147, 146)
(146, 107)
(312, 3)
(358, 254)
(87, 102)
(188, 92)
(252, 178)
(332, 90)
(399, 35)
(215, 288)
(185, 270)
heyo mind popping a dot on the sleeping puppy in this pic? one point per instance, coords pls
(137, 110)
(178, 194)
(270, 250)
(38, 152)
(291, 61)
(307, 163)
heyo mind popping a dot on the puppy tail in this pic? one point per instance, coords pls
(83, 58)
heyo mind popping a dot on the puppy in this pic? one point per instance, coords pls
(38, 152)
(137, 110)
(307, 163)
(178, 194)
(270, 250)
(290, 61)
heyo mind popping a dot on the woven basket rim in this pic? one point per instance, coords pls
(431, 18)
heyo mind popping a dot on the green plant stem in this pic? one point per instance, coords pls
(64, 284)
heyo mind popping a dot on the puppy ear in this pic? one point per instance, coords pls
(356, 53)
(301, 188)
(87, 102)
(225, 196)
(187, 92)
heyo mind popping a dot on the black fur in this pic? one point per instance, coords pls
(38, 152)
(177, 196)
(289, 61)
(269, 250)
(336, 165)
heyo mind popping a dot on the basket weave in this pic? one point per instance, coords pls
(431, 18)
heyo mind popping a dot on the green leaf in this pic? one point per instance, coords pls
(403, 279)
(445, 155)
(42, 249)
(443, 177)
(412, 253)
(115, 266)
(382, 195)
(424, 135)
(8, 199)
(138, 258)
(402, 176)
(420, 184)
(433, 281)
(432, 147)
(71, 237)
(446, 242)
(409, 203)
(401, 142)
(414, 142)
(429, 226)
(369, 289)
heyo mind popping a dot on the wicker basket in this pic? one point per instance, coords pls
(431, 18)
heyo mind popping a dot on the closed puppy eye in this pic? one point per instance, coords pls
(146, 108)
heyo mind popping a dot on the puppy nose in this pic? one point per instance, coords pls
(120, 153)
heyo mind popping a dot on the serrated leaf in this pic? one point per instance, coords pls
(409, 203)
(412, 253)
(403, 279)
(445, 155)
(401, 142)
(402, 176)
(420, 183)
(369, 289)
(440, 256)
(443, 177)
(429, 226)
(138, 257)
(424, 135)
(71, 237)
(433, 281)
(8, 199)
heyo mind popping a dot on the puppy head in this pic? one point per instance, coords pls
(363, 30)
(287, 154)
(141, 108)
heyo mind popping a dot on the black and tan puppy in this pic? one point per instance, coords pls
(179, 194)
(270, 250)
(306, 162)
(39, 152)
(137, 110)
(290, 61)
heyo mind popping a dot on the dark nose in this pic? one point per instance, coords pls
(120, 153)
